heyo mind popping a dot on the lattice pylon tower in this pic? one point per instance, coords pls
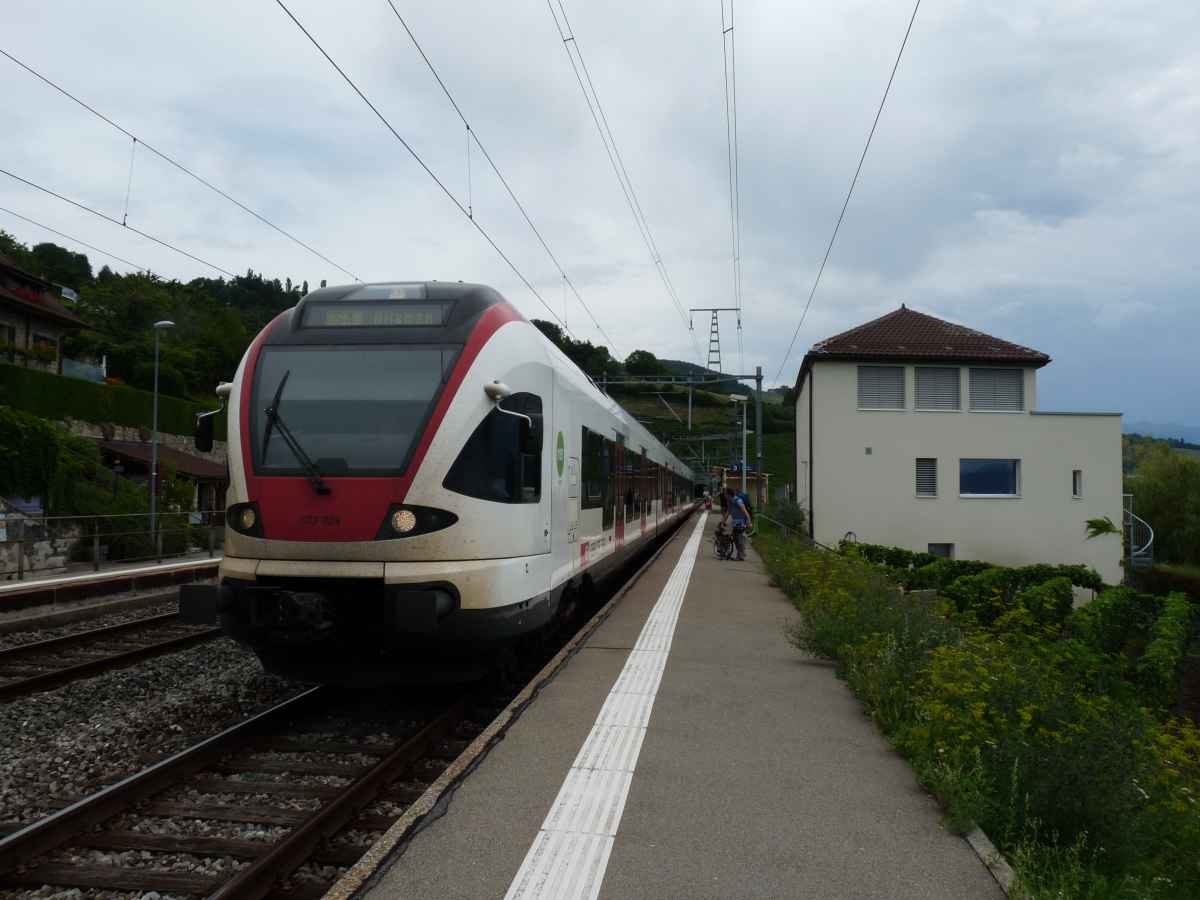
(714, 332)
(714, 344)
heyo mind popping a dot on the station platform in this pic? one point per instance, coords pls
(37, 590)
(687, 750)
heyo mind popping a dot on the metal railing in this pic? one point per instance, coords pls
(1139, 537)
(31, 543)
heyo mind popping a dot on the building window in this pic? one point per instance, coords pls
(943, 551)
(881, 387)
(926, 477)
(989, 477)
(938, 387)
(1077, 482)
(998, 389)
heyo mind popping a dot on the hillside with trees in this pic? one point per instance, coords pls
(215, 319)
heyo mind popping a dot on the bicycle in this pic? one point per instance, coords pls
(723, 543)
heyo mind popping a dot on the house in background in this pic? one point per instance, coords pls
(32, 320)
(919, 433)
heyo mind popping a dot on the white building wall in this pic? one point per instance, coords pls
(864, 475)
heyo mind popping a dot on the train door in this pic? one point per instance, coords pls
(621, 484)
(643, 488)
(572, 500)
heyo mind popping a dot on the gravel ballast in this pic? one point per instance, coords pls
(62, 744)
(34, 634)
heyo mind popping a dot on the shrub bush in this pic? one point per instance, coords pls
(1032, 726)
(1118, 621)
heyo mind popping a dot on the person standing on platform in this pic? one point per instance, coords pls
(740, 513)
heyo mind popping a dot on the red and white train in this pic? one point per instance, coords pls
(417, 474)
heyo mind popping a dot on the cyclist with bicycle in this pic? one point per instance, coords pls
(739, 511)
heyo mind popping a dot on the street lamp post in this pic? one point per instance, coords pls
(739, 398)
(159, 327)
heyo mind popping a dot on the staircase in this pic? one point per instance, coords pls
(1139, 537)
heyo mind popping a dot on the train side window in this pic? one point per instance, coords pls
(502, 460)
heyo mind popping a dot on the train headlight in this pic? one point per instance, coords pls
(244, 518)
(410, 521)
(403, 521)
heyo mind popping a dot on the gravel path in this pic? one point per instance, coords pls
(35, 634)
(64, 743)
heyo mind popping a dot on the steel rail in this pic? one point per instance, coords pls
(57, 677)
(261, 876)
(60, 827)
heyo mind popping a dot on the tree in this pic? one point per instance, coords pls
(1166, 493)
(61, 266)
(643, 362)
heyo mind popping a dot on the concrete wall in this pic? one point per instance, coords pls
(873, 493)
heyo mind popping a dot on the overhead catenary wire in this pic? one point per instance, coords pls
(178, 165)
(473, 137)
(117, 222)
(74, 239)
(850, 192)
(413, 153)
(596, 108)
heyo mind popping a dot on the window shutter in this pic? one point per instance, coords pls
(998, 389)
(881, 387)
(937, 388)
(926, 477)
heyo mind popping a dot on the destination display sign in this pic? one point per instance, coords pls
(374, 314)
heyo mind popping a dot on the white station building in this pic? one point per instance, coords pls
(919, 433)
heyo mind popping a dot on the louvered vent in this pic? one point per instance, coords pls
(1002, 389)
(926, 477)
(938, 388)
(881, 387)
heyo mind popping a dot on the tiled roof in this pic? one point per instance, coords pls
(905, 334)
(185, 463)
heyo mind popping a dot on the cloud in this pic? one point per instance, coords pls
(1034, 173)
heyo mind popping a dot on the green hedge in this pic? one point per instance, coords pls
(1160, 666)
(55, 397)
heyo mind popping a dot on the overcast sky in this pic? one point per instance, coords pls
(1035, 175)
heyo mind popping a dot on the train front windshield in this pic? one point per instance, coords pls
(354, 410)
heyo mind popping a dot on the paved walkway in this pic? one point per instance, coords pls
(688, 751)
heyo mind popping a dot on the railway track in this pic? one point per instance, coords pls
(314, 777)
(52, 663)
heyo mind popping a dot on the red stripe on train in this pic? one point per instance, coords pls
(292, 511)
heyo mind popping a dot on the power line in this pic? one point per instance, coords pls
(75, 240)
(178, 165)
(388, 125)
(117, 222)
(473, 136)
(614, 156)
(849, 193)
(729, 66)
(174, 162)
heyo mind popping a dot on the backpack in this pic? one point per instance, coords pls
(741, 495)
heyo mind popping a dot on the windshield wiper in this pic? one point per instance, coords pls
(274, 419)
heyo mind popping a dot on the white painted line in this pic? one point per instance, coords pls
(570, 854)
(111, 574)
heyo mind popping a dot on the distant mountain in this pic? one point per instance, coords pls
(1189, 433)
(680, 367)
